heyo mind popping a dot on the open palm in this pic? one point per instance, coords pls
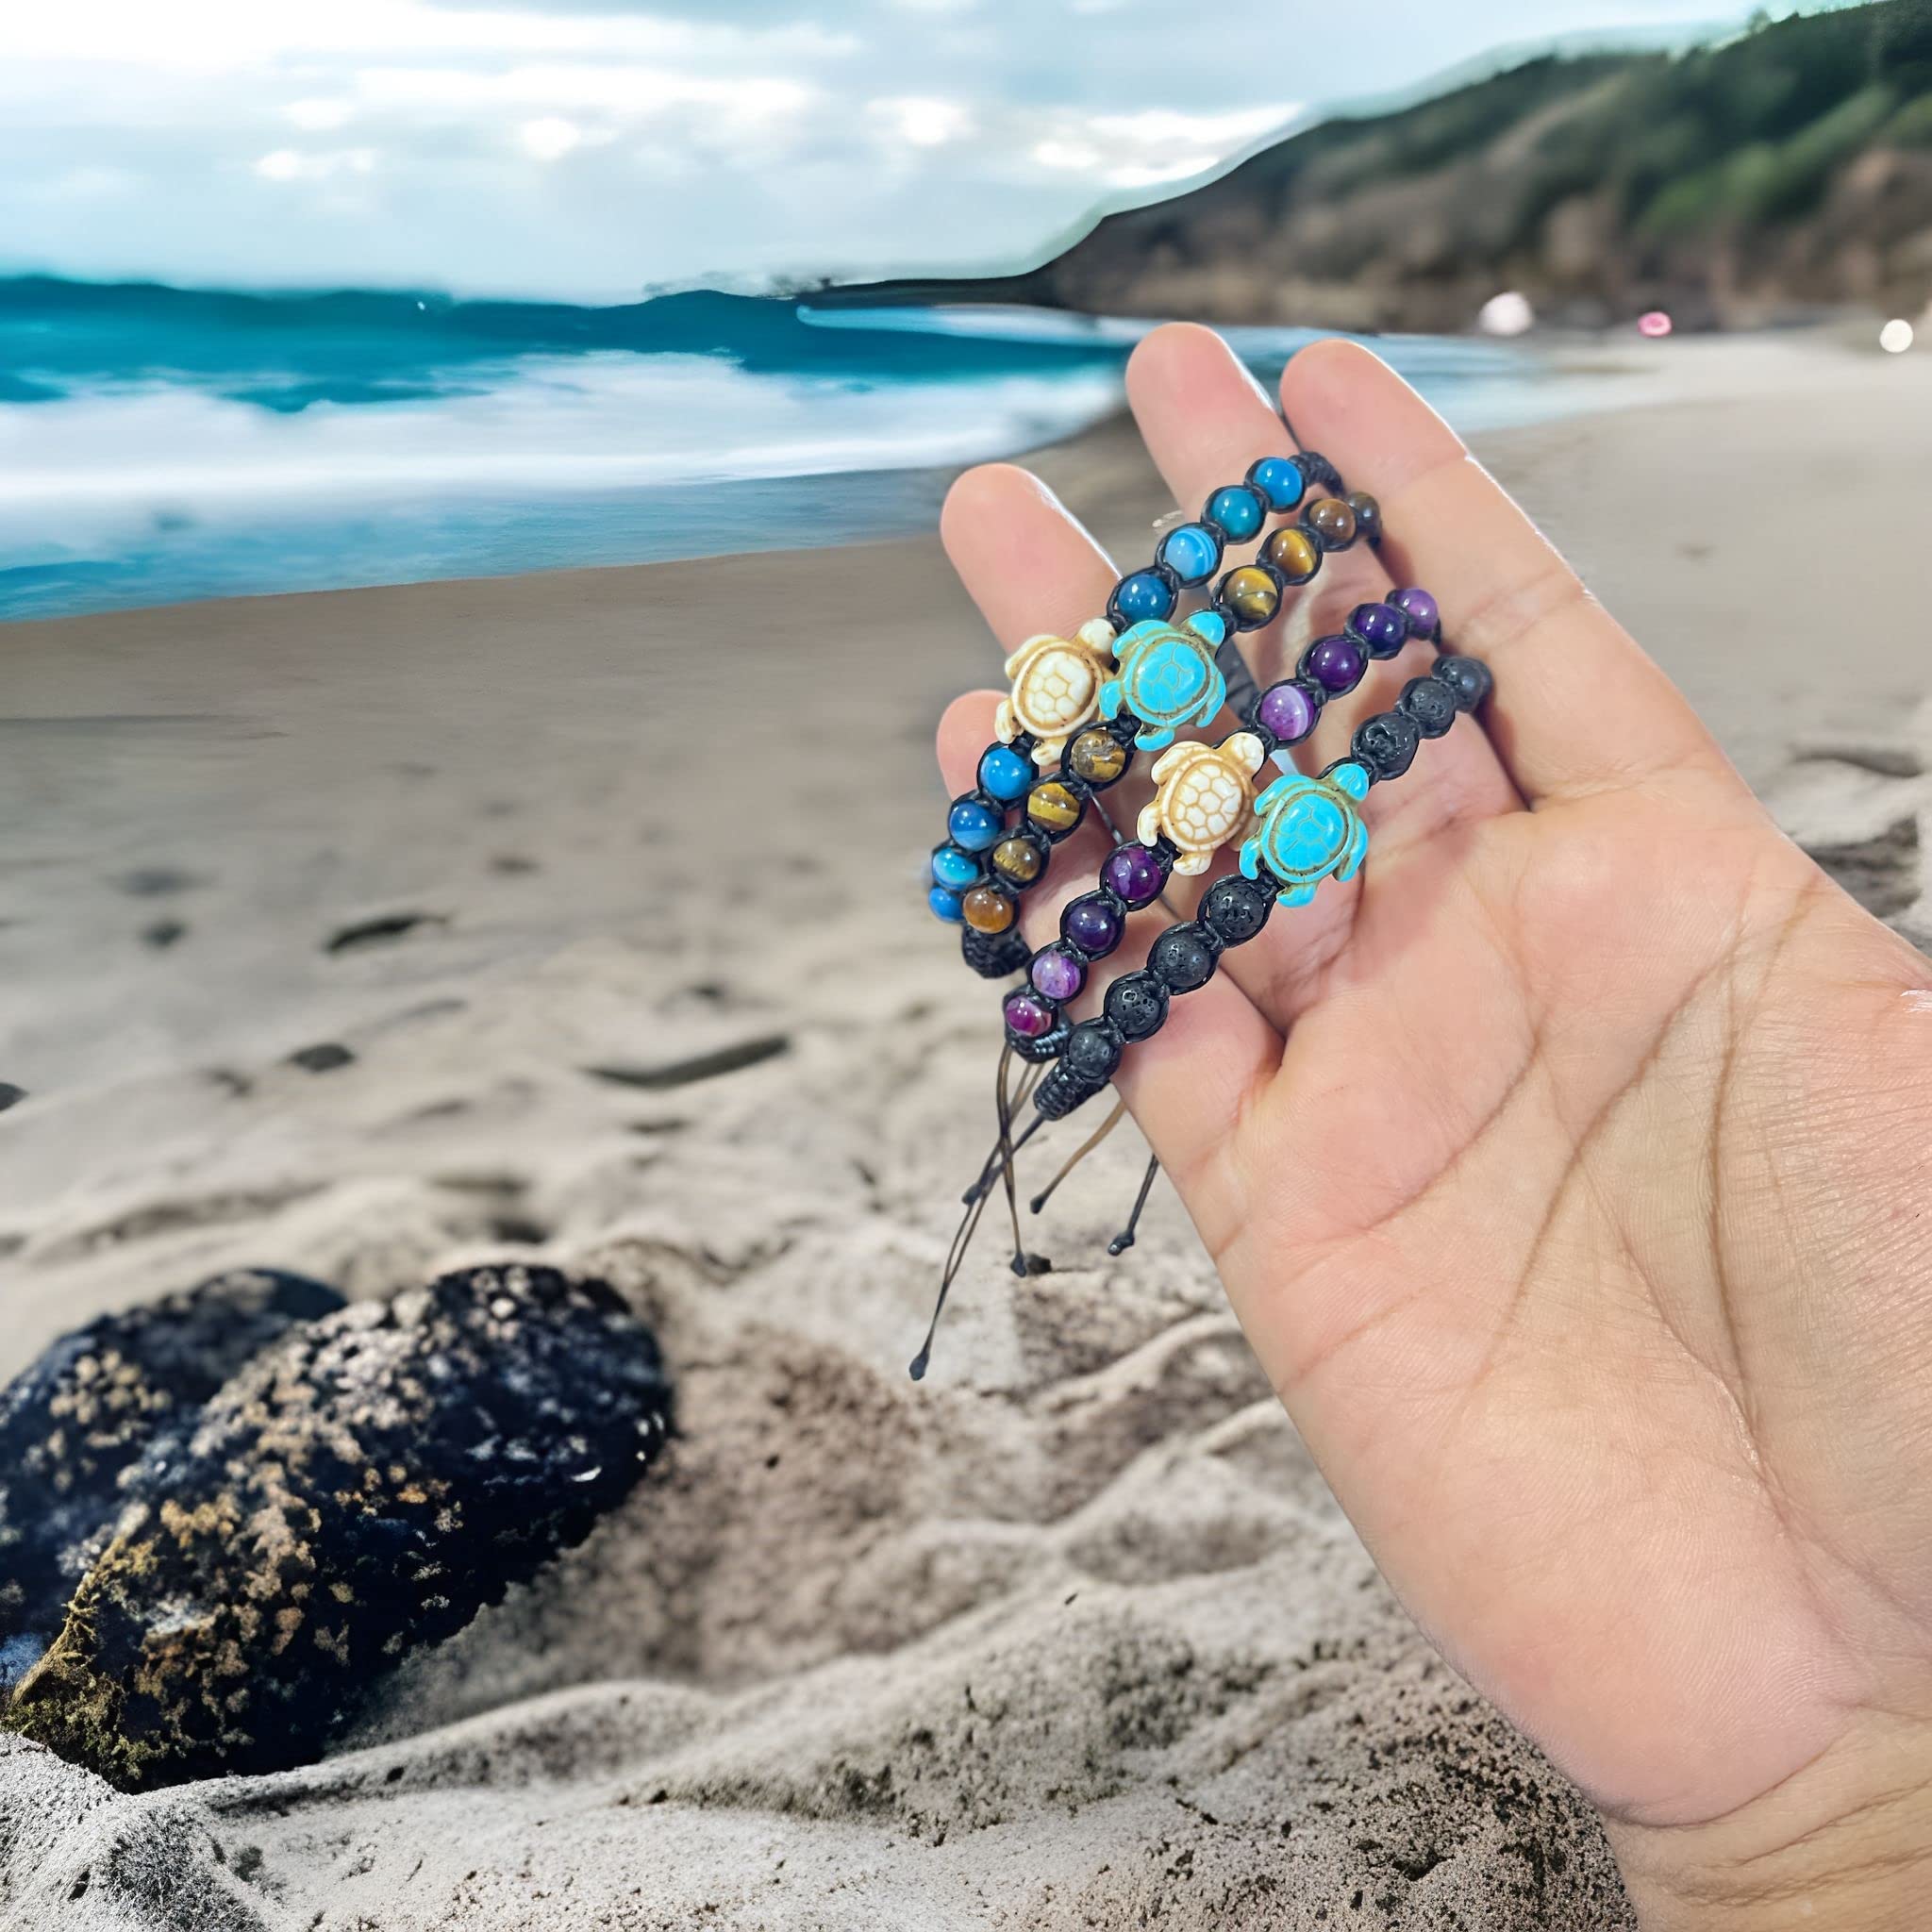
(1568, 1171)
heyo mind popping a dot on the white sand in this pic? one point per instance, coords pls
(1073, 1635)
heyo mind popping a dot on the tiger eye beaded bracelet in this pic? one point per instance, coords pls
(1163, 675)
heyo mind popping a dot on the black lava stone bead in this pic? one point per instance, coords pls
(1467, 678)
(1093, 1051)
(1430, 702)
(1137, 1004)
(1180, 959)
(1234, 911)
(1386, 744)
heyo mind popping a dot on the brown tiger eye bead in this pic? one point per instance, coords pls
(988, 910)
(1019, 859)
(1332, 521)
(1053, 806)
(1368, 512)
(1097, 756)
(1250, 593)
(1293, 553)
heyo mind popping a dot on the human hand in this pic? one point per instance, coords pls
(1571, 1173)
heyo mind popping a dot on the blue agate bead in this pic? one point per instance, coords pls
(1280, 480)
(1193, 553)
(1004, 772)
(1236, 511)
(973, 826)
(953, 870)
(946, 905)
(1143, 595)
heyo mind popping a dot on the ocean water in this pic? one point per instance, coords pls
(160, 444)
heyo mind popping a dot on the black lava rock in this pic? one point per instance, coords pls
(365, 1488)
(95, 1403)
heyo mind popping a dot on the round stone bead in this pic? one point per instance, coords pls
(1381, 626)
(1250, 593)
(1238, 511)
(1279, 479)
(1193, 553)
(1137, 1004)
(1425, 619)
(1053, 806)
(1288, 711)
(988, 910)
(1143, 595)
(1234, 911)
(1293, 553)
(1430, 702)
(1467, 678)
(1027, 1016)
(1058, 973)
(1386, 744)
(1097, 757)
(974, 825)
(1093, 1051)
(1092, 925)
(1135, 874)
(946, 904)
(1368, 514)
(1336, 663)
(1332, 522)
(1180, 960)
(954, 870)
(1004, 772)
(1018, 860)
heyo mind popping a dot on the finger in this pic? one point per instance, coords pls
(1579, 707)
(1190, 1084)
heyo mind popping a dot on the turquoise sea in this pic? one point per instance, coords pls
(160, 444)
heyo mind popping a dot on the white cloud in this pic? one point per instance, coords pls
(288, 164)
(550, 138)
(922, 121)
(318, 117)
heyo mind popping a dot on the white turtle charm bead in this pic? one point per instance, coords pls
(1056, 684)
(1205, 797)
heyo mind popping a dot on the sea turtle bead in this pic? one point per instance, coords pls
(1234, 911)
(1137, 1005)
(1093, 923)
(1180, 959)
(1134, 873)
(946, 904)
(1331, 522)
(1293, 553)
(1143, 595)
(1467, 678)
(1054, 807)
(1386, 744)
(1097, 757)
(1425, 619)
(1093, 1051)
(1280, 480)
(1336, 663)
(1193, 553)
(1383, 627)
(1059, 974)
(974, 825)
(1018, 860)
(988, 910)
(1238, 511)
(1368, 515)
(1004, 772)
(1027, 1016)
(1430, 702)
(1252, 595)
(954, 870)
(1287, 712)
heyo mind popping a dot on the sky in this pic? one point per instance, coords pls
(593, 150)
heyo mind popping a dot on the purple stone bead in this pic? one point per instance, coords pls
(1091, 924)
(1384, 628)
(1135, 874)
(1058, 973)
(1288, 711)
(1425, 620)
(1028, 1017)
(1337, 663)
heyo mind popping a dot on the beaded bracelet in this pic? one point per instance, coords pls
(1145, 682)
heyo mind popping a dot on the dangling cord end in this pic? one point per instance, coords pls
(1125, 1240)
(1023, 1263)
(1079, 1153)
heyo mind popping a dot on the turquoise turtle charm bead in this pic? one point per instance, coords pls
(1167, 677)
(1309, 829)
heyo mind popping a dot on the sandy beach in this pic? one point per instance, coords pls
(377, 932)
